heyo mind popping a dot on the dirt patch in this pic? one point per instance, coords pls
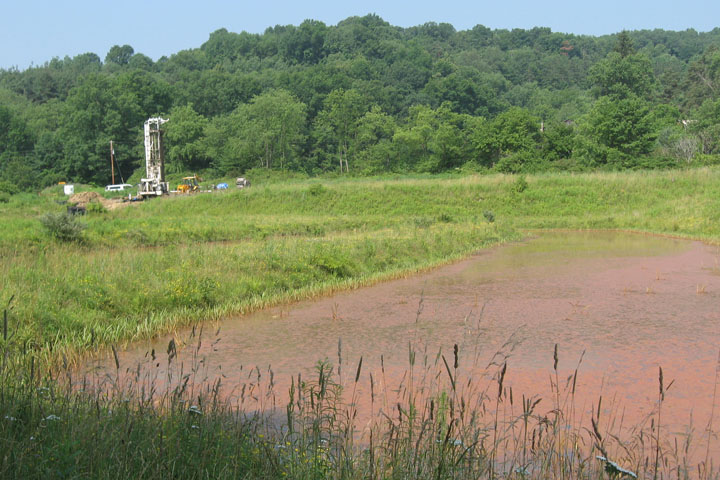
(116, 203)
(84, 198)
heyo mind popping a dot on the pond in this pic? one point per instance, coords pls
(620, 305)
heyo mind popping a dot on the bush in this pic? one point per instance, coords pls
(422, 222)
(334, 263)
(316, 189)
(63, 227)
(524, 161)
(520, 185)
(264, 176)
(707, 160)
(96, 207)
(9, 188)
(4, 197)
(445, 218)
(489, 216)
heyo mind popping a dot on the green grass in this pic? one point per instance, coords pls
(70, 295)
(152, 267)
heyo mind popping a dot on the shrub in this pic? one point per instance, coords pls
(316, 189)
(520, 184)
(336, 264)
(422, 222)
(705, 160)
(4, 197)
(524, 161)
(63, 227)
(96, 207)
(446, 218)
(9, 188)
(489, 216)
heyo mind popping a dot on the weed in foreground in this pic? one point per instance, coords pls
(63, 226)
(441, 418)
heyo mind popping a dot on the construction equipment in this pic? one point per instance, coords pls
(154, 184)
(189, 184)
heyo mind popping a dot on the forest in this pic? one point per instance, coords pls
(365, 97)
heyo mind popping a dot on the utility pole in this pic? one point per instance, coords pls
(112, 162)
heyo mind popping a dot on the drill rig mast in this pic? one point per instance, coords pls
(154, 183)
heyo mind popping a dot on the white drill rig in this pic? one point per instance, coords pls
(154, 184)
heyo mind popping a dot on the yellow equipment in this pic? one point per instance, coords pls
(189, 184)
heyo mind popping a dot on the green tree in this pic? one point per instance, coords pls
(413, 140)
(269, 132)
(119, 55)
(306, 43)
(624, 45)
(703, 78)
(706, 126)
(558, 141)
(14, 134)
(435, 140)
(277, 122)
(185, 140)
(621, 128)
(467, 91)
(103, 108)
(141, 62)
(622, 77)
(16, 144)
(215, 92)
(336, 124)
(373, 145)
(512, 131)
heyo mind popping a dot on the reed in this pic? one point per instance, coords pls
(141, 420)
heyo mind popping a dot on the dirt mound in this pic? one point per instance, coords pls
(84, 198)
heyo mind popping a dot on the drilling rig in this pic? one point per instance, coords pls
(154, 183)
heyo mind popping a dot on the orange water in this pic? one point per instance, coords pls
(632, 303)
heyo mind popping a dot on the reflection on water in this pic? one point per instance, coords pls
(630, 302)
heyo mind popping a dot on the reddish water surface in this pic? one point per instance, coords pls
(631, 302)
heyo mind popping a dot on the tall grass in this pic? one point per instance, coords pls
(70, 297)
(450, 416)
(148, 268)
(677, 202)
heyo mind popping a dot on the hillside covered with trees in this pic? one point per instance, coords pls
(366, 97)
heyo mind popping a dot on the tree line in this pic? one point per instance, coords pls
(365, 97)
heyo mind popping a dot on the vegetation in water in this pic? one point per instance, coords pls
(446, 419)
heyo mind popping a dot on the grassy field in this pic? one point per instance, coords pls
(150, 268)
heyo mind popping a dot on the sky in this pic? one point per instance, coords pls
(32, 32)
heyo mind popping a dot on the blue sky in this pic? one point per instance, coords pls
(34, 31)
